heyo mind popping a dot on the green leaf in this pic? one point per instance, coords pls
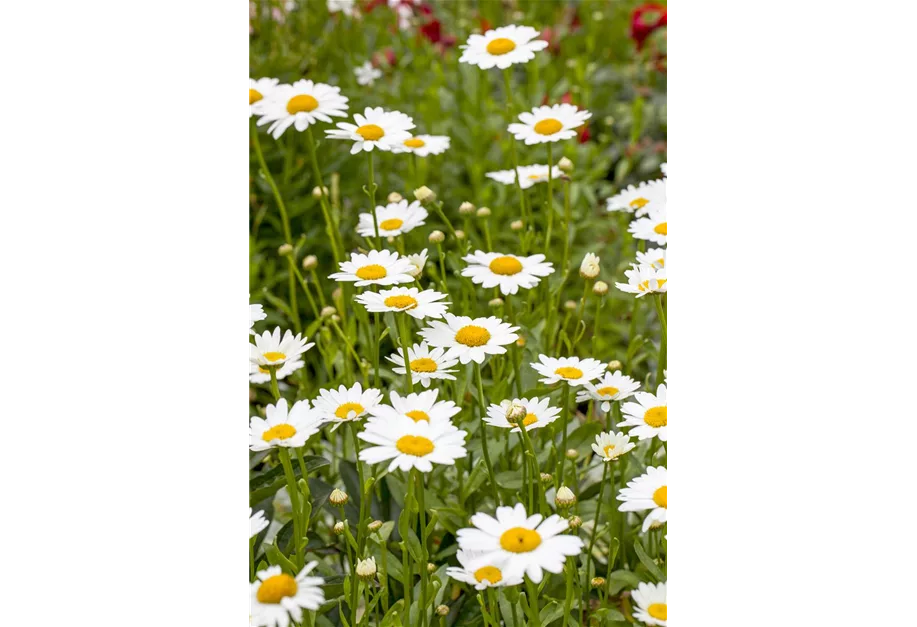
(276, 558)
(266, 484)
(647, 561)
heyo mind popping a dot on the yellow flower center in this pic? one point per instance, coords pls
(300, 103)
(661, 262)
(529, 419)
(370, 132)
(548, 126)
(639, 203)
(414, 142)
(535, 176)
(657, 610)
(346, 408)
(415, 445)
(491, 574)
(279, 432)
(659, 496)
(416, 415)
(662, 228)
(608, 449)
(275, 588)
(607, 391)
(569, 372)
(501, 45)
(656, 416)
(472, 335)
(660, 283)
(391, 224)
(424, 364)
(254, 96)
(371, 272)
(506, 266)
(520, 540)
(274, 356)
(401, 302)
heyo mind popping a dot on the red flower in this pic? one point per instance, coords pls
(645, 20)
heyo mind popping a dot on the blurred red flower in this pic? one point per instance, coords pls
(645, 20)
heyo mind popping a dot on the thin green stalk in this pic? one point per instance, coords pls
(361, 526)
(661, 366)
(333, 229)
(372, 198)
(422, 512)
(512, 115)
(377, 329)
(595, 527)
(275, 390)
(305, 288)
(564, 419)
(550, 207)
(568, 576)
(490, 468)
(566, 262)
(534, 614)
(495, 611)
(284, 456)
(405, 329)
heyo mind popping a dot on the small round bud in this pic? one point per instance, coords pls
(564, 497)
(590, 268)
(565, 165)
(442, 610)
(598, 16)
(327, 312)
(309, 262)
(520, 342)
(515, 411)
(597, 582)
(575, 522)
(366, 569)
(337, 293)
(436, 237)
(338, 528)
(466, 208)
(516, 225)
(431, 567)
(285, 250)
(424, 194)
(338, 497)
(600, 288)
(547, 477)
(318, 192)
(614, 364)
(570, 305)
(335, 318)
(460, 234)
(609, 121)
(484, 212)
(395, 197)
(374, 526)
(495, 302)
(571, 453)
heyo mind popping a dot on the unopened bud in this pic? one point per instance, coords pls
(338, 497)
(547, 477)
(484, 212)
(570, 305)
(309, 262)
(600, 288)
(614, 364)
(565, 165)
(520, 342)
(318, 192)
(515, 411)
(442, 610)
(575, 522)
(572, 453)
(495, 302)
(338, 528)
(366, 569)
(466, 208)
(516, 225)
(590, 268)
(285, 250)
(337, 293)
(327, 312)
(564, 497)
(436, 237)
(335, 318)
(395, 197)
(424, 194)
(390, 239)
(374, 526)
(597, 582)
(460, 234)
(431, 567)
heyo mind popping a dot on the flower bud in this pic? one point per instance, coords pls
(395, 197)
(374, 526)
(575, 522)
(431, 567)
(516, 225)
(484, 212)
(600, 288)
(338, 528)
(597, 582)
(590, 268)
(424, 194)
(436, 237)
(309, 262)
(337, 293)
(338, 497)
(572, 453)
(565, 165)
(564, 497)
(515, 411)
(335, 318)
(318, 192)
(546, 477)
(495, 302)
(520, 342)
(366, 569)
(442, 610)
(460, 234)
(466, 208)
(327, 312)
(613, 365)
(570, 305)
(285, 250)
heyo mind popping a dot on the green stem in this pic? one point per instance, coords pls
(284, 456)
(550, 207)
(565, 267)
(661, 366)
(595, 526)
(564, 418)
(534, 614)
(372, 198)
(405, 329)
(512, 115)
(332, 228)
(361, 526)
(423, 546)
(490, 468)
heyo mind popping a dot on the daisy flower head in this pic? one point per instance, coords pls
(367, 74)
(260, 374)
(652, 227)
(258, 90)
(412, 444)
(375, 128)
(255, 314)
(378, 267)
(270, 349)
(647, 492)
(643, 280)
(424, 145)
(651, 606)
(257, 522)
(502, 47)
(393, 219)
(277, 597)
(417, 304)
(416, 406)
(300, 105)
(648, 416)
(524, 544)
(639, 199)
(528, 175)
(610, 445)
(283, 427)
(419, 261)
(481, 571)
(654, 257)
(613, 386)
(470, 339)
(570, 370)
(549, 123)
(426, 364)
(538, 413)
(345, 404)
(509, 272)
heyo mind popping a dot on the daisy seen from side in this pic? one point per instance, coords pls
(424, 145)
(502, 47)
(652, 227)
(528, 175)
(273, 350)
(639, 199)
(654, 257)
(375, 128)
(643, 280)
(613, 386)
(257, 522)
(260, 374)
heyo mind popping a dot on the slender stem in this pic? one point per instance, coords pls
(495, 612)
(534, 614)
(661, 366)
(407, 570)
(490, 468)
(568, 575)
(363, 496)
(595, 526)
(550, 207)
(372, 198)
(275, 390)
(403, 326)
(564, 418)
(332, 227)
(565, 266)
(377, 328)
(423, 546)
(284, 456)
(512, 114)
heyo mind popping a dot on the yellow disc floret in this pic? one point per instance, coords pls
(274, 589)
(401, 301)
(569, 372)
(659, 496)
(491, 574)
(301, 103)
(254, 96)
(417, 415)
(506, 266)
(472, 335)
(520, 540)
(391, 224)
(656, 416)
(273, 356)
(548, 126)
(607, 391)
(662, 228)
(414, 142)
(345, 409)
(657, 610)
(279, 432)
(370, 132)
(424, 364)
(501, 45)
(415, 445)
(371, 272)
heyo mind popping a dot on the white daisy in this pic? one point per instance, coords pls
(258, 90)
(538, 413)
(378, 267)
(639, 199)
(525, 544)
(280, 427)
(300, 105)
(278, 597)
(426, 364)
(647, 492)
(652, 227)
(613, 386)
(570, 370)
(257, 522)
(528, 175)
(481, 571)
(502, 47)
(412, 444)
(270, 349)
(417, 304)
(549, 123)
(367, 74)
(422, 406)
(470, 339)
(343, 6)
(424, 145)
(610, 445)
(510, 272)
(643, 280)
(654, 257)
(376, 128)
(419, 261)
(648, 416)
(345, 404)
(651, 605)
(393, 219)
(255, 314)
(259, 374)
